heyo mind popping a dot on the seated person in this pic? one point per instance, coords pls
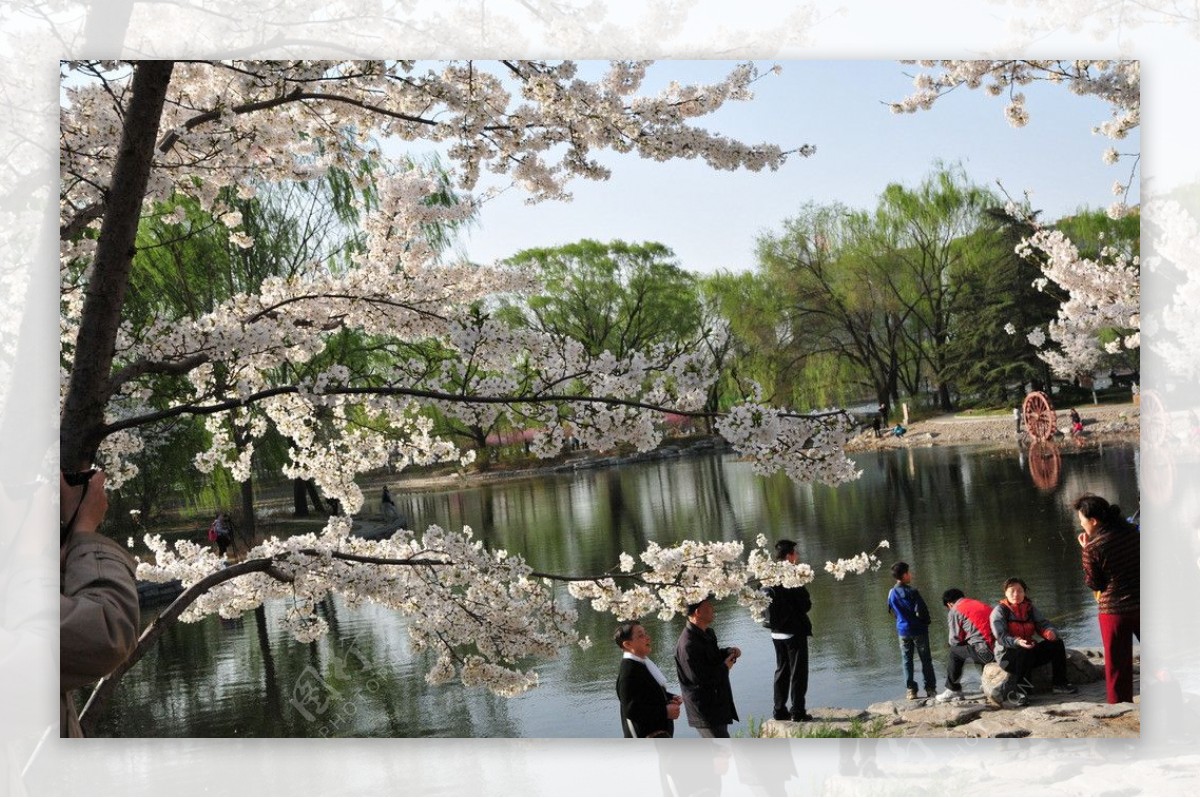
(899, 430)
(970, 638)
(1015, 623)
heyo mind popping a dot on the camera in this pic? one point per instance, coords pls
(77, 478)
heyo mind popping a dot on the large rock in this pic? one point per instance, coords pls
(1080, 670)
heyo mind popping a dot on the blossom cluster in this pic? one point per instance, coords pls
(1102, 293)
(1173, 237)
(325, 115)
(807, 448)
(1116, 82)
(676, 576)
(858, 564)
(478, 612)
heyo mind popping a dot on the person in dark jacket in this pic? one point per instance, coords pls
(787, 618)
(1112, 567)
(970, 638)
(703, 669)
(647, 708)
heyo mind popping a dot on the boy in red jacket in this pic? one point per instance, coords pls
(970, 638)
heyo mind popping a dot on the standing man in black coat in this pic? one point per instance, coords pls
(703, 669)
(787, 618)
(647, 709)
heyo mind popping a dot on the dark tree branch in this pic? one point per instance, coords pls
(391, 390)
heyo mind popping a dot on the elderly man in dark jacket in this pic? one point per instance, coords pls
(648, 709)
(787, 618)
(703, 669)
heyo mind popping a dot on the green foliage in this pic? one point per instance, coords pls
(922, 239)
(983, 359)
(614, 297)
(1091, 230)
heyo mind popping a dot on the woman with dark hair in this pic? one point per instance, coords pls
(1111, 567)
(1016, 625)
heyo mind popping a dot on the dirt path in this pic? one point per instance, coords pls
(1101, 423)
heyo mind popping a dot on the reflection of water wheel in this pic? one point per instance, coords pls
(1040, 421)
(1157, 481)
(1045, 464)
(1154, 419)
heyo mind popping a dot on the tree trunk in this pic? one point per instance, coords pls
(299, 498)
(88, 390)
(302, 491)
(311, 485)
(248, 530)
(105, 28)
(944, 397)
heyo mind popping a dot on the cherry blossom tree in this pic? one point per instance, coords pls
(1101, 293)
(137, 135)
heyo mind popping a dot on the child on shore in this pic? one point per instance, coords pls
(912, 626)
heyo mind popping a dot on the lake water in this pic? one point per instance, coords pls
(963, 517)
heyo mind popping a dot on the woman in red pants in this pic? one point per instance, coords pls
(1111, 567)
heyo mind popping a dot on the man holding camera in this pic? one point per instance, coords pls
(98, 602)
(703, 669)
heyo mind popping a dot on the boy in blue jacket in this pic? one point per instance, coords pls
(912, 625)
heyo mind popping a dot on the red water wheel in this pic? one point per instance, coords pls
(1040, 421)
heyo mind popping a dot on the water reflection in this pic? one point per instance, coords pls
(964, 518)
(1045, 464)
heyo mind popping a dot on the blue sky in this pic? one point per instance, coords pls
(711, 218)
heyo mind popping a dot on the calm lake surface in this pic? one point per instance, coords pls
(963, 517)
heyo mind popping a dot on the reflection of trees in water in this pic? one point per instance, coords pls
(271, 689)
(1074, 483)
(627, 530)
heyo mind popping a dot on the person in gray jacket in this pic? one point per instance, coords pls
(98, 602)
(1015, 625)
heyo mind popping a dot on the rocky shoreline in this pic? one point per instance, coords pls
(1084, 714)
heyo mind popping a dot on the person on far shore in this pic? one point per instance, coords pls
(787, 618)
(1076, 422)
(703, 669)
(648, 709)
(899, 430)
(1015, 624)
(223, 530)
(1112, 567)
(387, 506)
(971, 638)
(912, 626)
